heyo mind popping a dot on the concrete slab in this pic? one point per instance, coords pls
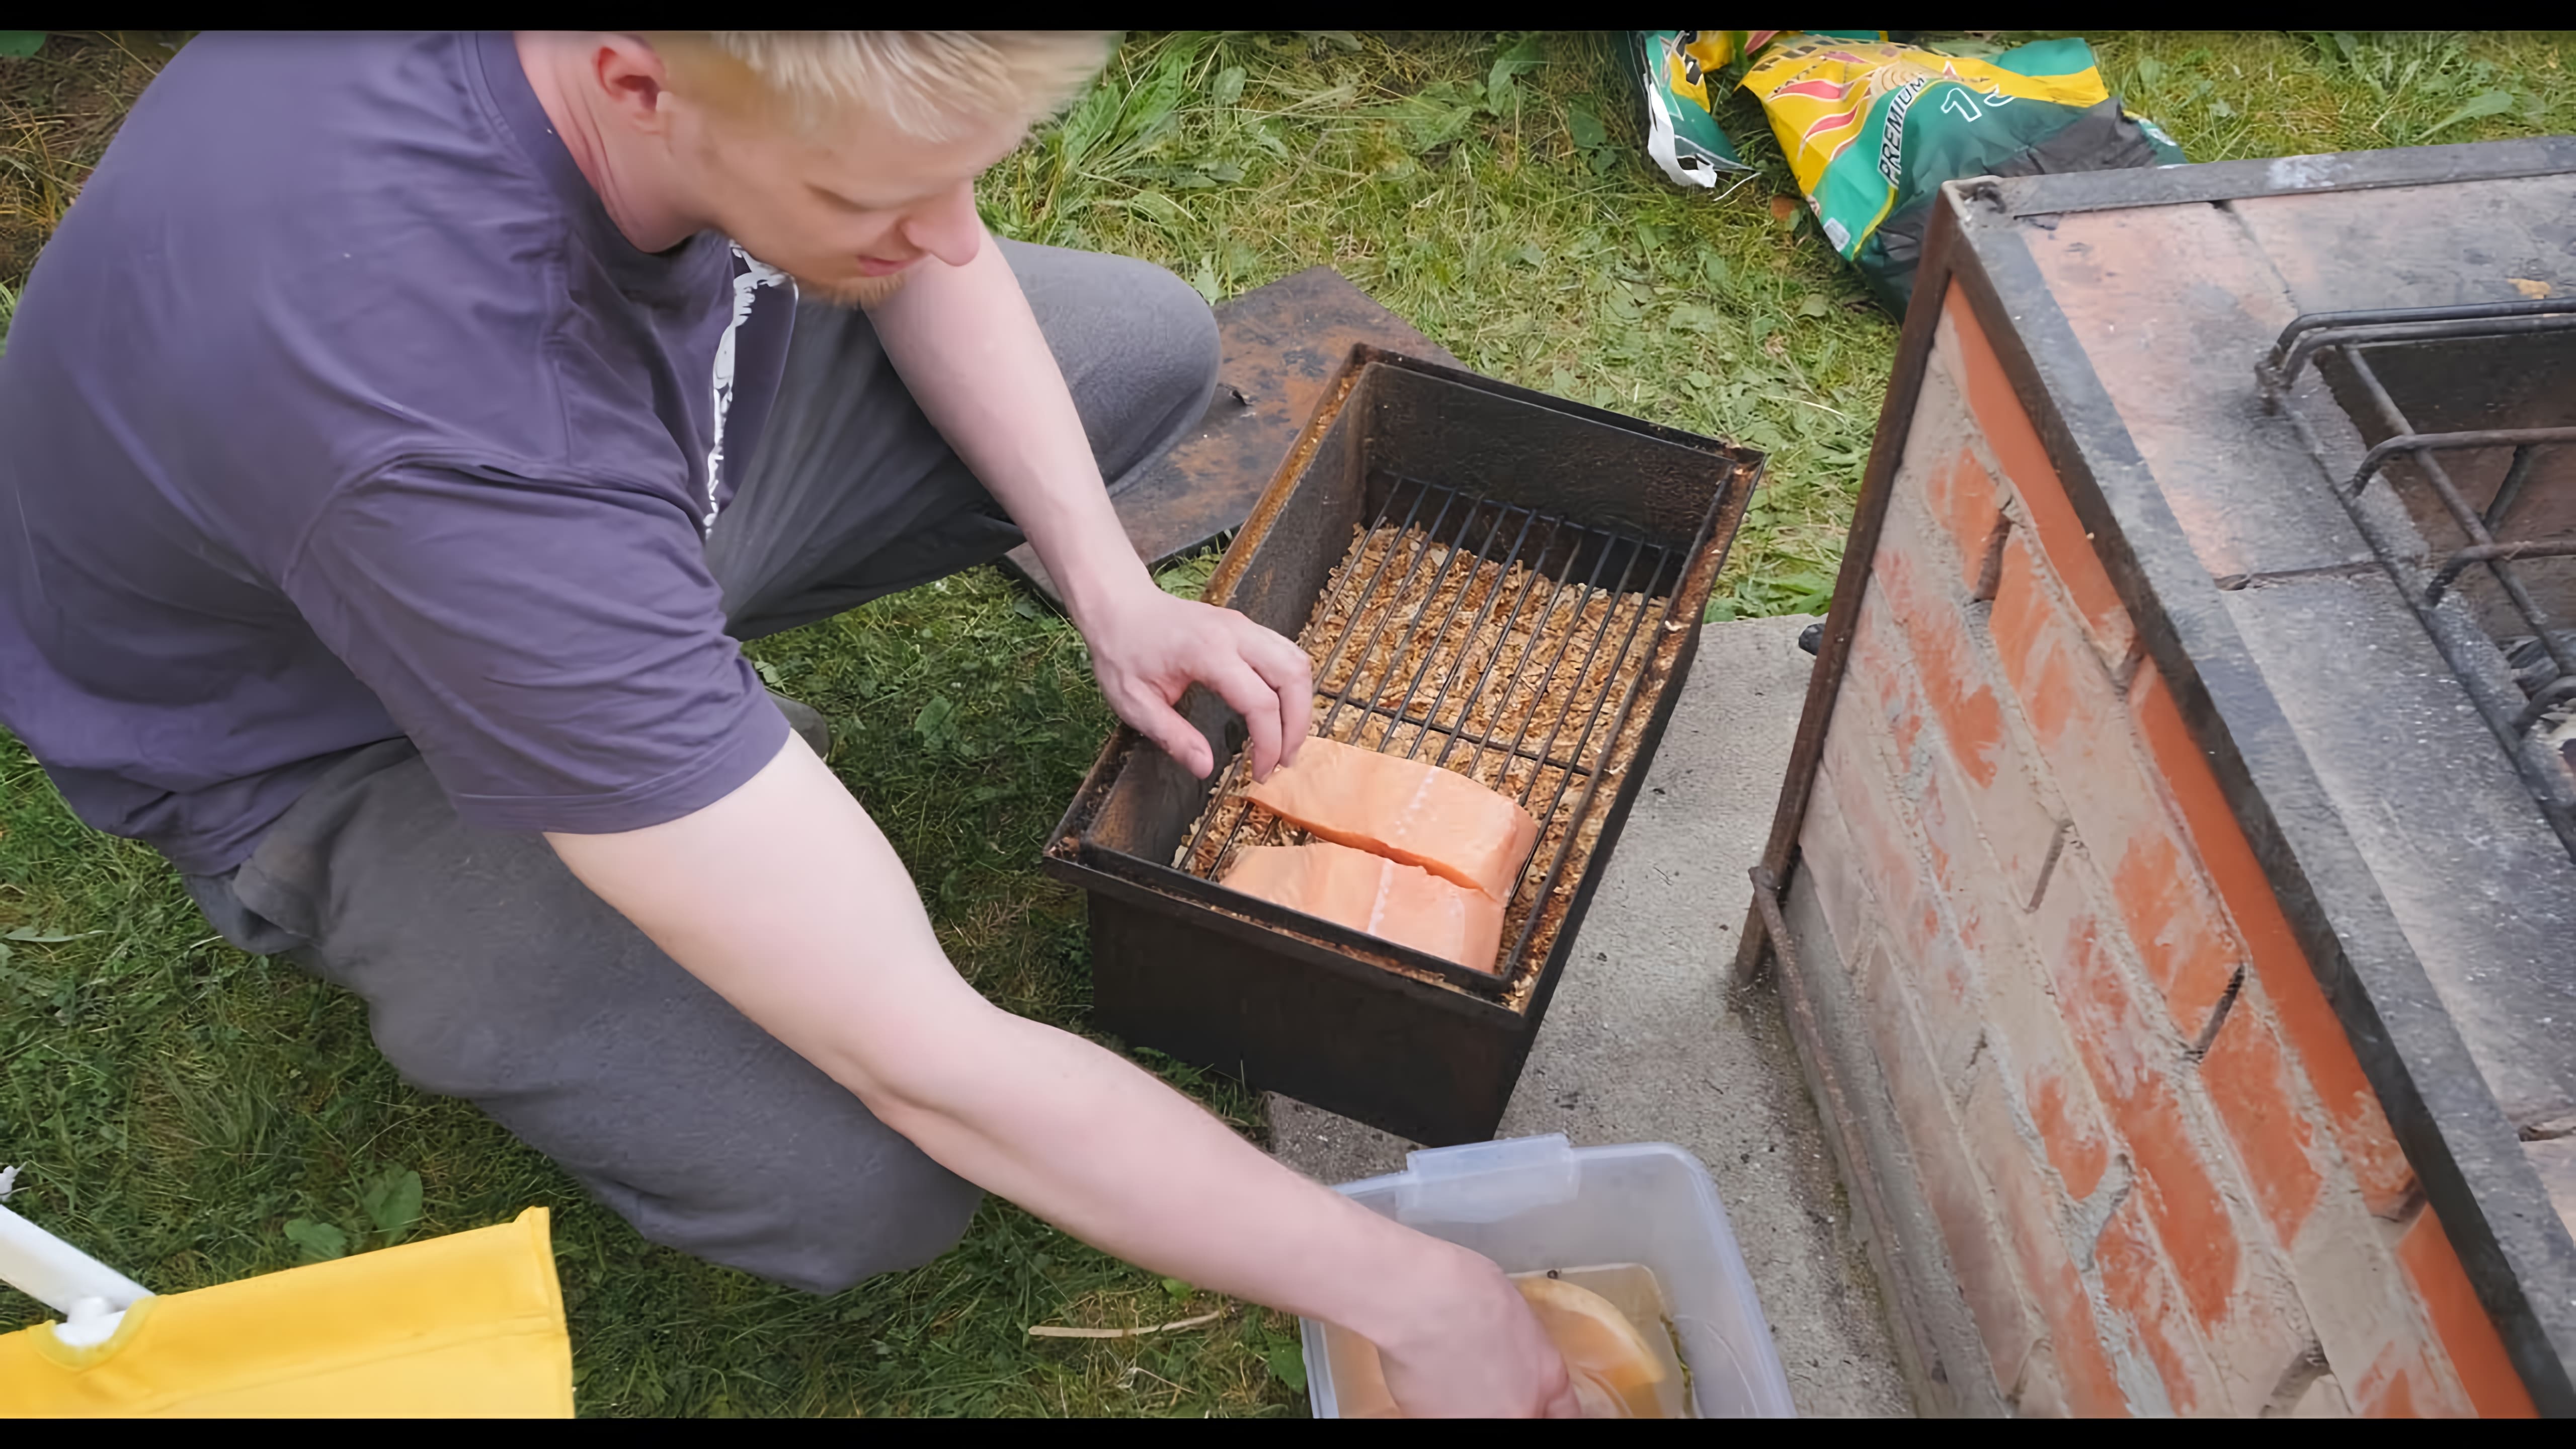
(1640, 1044)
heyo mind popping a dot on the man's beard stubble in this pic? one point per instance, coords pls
(858, 292)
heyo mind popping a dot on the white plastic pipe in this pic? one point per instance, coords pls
(90, 1295)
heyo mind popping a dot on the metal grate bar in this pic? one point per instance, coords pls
(1404, 641)
(2548, 678)
(1529, 590)
(2517, 475)
(1592, 784)
(1485, 533)
(1637, 550)
(2317, 331)
(2422, 447)
(1593, 721)
(1421, 551)
(1421, 554)
(1440, 695)
(1591, 585)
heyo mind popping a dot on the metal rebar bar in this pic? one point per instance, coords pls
(1530, 578)
(2517, 474)
(2472, 652)
(1467, 645)
(2286, 355)
(1609, 612)
(2423, 447)
(1421, 553)
(1530, 650)
(2477, 553)
(1404, 700)
(2397, 333)
(1592, 785)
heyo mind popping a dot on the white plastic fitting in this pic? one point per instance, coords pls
(91, 1296)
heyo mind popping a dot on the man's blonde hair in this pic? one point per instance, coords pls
(936, 85)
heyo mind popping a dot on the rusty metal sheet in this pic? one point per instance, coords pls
(1284, 343)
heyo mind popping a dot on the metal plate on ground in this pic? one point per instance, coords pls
(1283, 344)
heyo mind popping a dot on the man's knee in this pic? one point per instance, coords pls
(1178, 350)
(818, 1226)
(835, 1240)
(1137, 345)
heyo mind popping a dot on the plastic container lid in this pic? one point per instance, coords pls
(1534, 1203)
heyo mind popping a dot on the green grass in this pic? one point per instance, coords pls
(177, 1104)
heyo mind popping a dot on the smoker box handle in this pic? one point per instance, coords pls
(1485, 1182)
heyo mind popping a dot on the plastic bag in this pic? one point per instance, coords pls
(1676, 73)
(1872, 128)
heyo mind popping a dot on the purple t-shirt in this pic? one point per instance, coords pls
(336, 410)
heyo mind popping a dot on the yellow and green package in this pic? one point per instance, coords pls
(1677, 87)
(471, 1324)
(1872, 128)
(1676, 75)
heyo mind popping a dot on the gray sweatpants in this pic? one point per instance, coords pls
(491, 974)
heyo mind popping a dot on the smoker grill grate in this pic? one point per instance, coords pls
(1493, 639)
(2524, 684)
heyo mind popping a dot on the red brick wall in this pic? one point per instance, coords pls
(2162, 1181)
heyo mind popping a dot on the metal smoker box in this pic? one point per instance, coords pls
(1497, 581)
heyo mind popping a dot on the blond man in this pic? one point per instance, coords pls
(403, 433)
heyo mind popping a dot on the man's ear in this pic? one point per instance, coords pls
(632, 81)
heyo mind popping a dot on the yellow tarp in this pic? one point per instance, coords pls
(464, 1325)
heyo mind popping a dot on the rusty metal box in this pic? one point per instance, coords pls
(1450, 526)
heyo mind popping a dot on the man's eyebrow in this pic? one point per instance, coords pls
(882, 203)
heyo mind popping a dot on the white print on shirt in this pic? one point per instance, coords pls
(746, 285)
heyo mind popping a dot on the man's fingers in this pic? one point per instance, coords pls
(1290, 674)
(1258, 703)
(1174, 735)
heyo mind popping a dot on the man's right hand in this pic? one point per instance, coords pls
(1478, 1352)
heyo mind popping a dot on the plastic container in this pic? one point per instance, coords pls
(1534, 1203)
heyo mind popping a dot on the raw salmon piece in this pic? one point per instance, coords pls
(1365, 892)
(1406, 810)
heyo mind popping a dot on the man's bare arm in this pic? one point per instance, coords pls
(786, 899)
(970, 352)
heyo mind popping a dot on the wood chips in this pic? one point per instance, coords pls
(1524, 681)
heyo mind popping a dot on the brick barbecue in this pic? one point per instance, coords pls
(2174, 893)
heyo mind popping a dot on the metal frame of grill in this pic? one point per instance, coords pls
(1479, 570)
(2512, 700)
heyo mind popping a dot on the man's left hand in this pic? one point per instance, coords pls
(1151, 646)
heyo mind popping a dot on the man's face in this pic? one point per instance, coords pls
(848, 210)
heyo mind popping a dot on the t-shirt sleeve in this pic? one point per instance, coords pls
(557, 651)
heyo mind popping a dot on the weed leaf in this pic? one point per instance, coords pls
(392, 1202)
(932, 723)
(1513, 59)
(1586, 128)
(2491, 103)
(1288, 1365)
(321, 1242)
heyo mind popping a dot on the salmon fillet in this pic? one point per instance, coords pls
(1405, 810)
(1394, 902)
